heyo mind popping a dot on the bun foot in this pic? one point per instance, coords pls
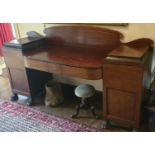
(14, 97)
(74, 116)
(134, 130)
(105, 125)
(29, 102)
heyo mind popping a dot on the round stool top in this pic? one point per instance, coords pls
(84, 91)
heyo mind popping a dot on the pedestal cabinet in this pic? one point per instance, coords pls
(23, 81)
(126, 80)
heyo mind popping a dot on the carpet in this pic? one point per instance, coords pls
(16, 117)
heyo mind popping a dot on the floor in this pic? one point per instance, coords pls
(67, 109)
(2, 64)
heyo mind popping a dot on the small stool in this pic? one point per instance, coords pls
(84, 91)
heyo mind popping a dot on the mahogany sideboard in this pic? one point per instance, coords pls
(90, 53)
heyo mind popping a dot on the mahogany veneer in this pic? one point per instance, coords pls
(90, 53)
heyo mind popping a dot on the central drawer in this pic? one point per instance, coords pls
(85, 73)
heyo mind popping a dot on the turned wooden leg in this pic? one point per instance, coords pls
(77, 112)
(93, 112)
(14, 97)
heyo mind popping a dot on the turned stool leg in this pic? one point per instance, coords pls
(82, 105)
(93, 111)
(84, 91)
(77, 112)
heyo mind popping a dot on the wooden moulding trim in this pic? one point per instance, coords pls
(125, 61)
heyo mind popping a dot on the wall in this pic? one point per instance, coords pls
(131, 32)
(22, 28)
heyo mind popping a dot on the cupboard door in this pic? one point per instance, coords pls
(19, 80)
(122, 97)
(13, 58)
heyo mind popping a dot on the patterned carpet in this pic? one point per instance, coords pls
(20, 118)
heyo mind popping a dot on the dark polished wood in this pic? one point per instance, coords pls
(86, 73)
(23, 81)
(127, 74)
(70, 51)
(83, 36)
(90, 53)
(16, 69)
(70, 56)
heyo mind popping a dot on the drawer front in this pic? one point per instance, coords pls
(35, 64)
(85, 73)
(13, 58)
